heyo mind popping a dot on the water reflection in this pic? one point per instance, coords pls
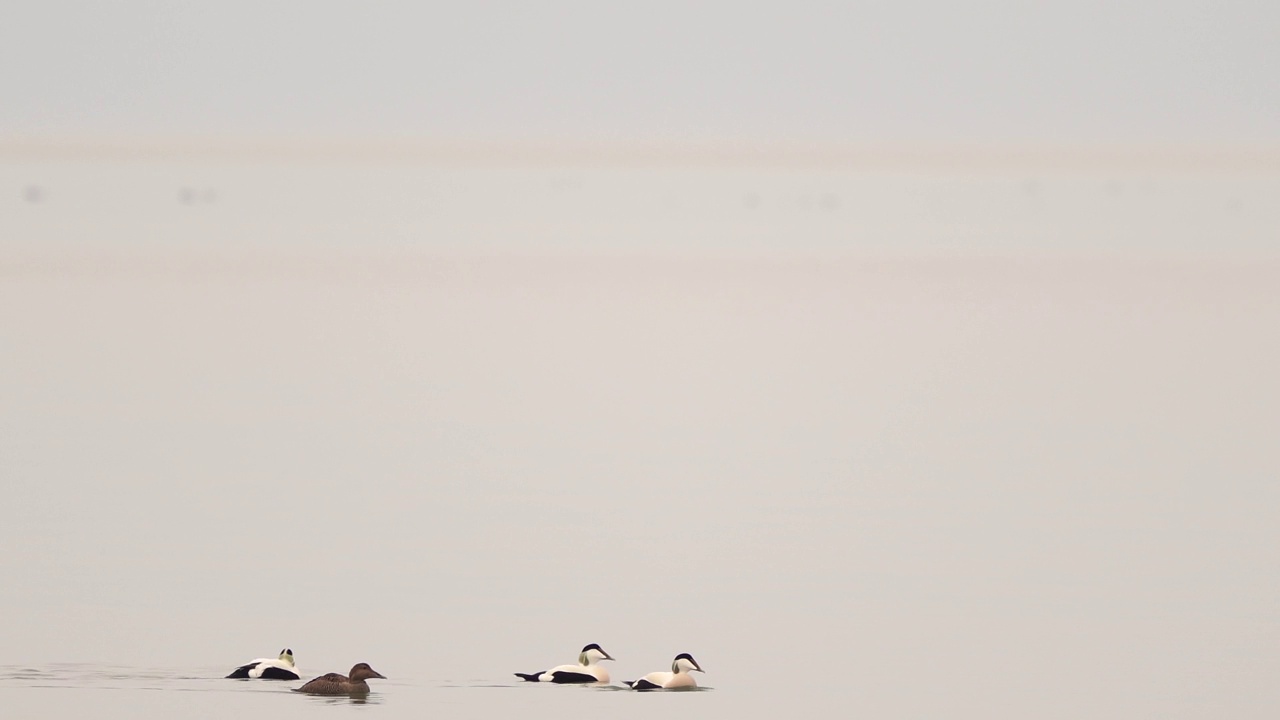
(352, 699)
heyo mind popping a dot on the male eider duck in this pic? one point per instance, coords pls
(586, 671)
(679, 676)
(281, 668)
(338, 684)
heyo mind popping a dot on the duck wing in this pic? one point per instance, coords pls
(275, 672)
(565, 677)
(328, 684)
(242, 672)
(643, 684)
(652, 681)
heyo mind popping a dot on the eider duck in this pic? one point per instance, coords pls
(281, 668)
(586, 671)
(337, 684)
(679, 676)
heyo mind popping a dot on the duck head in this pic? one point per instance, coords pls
(362, 671)
(286, 656)
(592, 653)
(684, 662)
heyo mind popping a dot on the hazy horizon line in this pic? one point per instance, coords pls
(392, 149)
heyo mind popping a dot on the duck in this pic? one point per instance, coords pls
(338, 684)
(586, 671)
(281, 668)
(679, 676)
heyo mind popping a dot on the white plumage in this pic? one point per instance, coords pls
(679, 676)
(279, 668)
(586, 671)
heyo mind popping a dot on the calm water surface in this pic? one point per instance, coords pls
(878, 443)
(78, 689)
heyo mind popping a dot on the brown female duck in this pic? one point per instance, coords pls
(337, 684)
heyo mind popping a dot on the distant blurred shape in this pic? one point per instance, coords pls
(830, 202)
(33, 194)
(187, 196)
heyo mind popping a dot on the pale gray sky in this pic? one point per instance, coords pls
(1060, 72)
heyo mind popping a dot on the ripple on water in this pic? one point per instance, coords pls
(108, 677)
(117, 677)
(372, 698)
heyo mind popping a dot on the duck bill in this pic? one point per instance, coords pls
(379, 675)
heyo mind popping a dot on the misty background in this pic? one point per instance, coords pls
(862, 73)
(894, 360)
